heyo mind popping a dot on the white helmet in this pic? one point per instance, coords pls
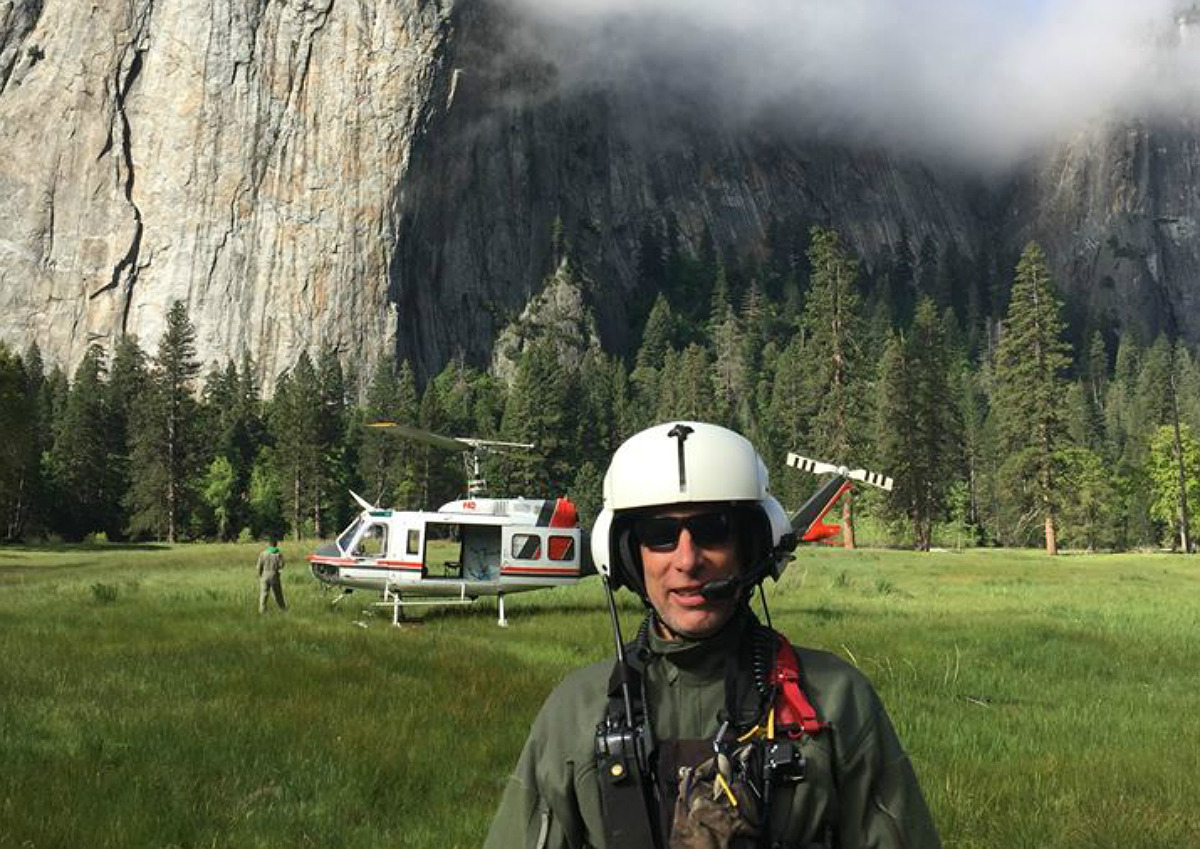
(687, 463)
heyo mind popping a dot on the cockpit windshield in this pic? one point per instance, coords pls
(347, 536)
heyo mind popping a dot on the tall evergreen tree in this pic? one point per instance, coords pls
(165, 437)
(80, 473)
(388, 464)
(833, 386)
(1030, 383)
(127, 380)
(1174, 474)
(330, 498)
(920, 434)
(537, 412)
(17, 444)
(296, 433)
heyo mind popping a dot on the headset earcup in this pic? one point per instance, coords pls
(630, 571)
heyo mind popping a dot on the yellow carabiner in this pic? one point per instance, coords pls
(724, 785)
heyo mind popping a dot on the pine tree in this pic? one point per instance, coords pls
(127, 379)
(1030, 366)
(17, 443)
(164, 438)
(788, 421)
(832, 323)
(900, 284)
(920, 436)
(1090, 499)
(330, 498)
(893, 446)
(296, 432)
(80, 473)
(1174, 474)
(388, 464)
(537, 413)
(1096, 370)
(658, 336)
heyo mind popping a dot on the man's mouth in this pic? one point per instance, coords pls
(689, 596)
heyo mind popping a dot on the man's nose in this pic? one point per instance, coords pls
(687, 553)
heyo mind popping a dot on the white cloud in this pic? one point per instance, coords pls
(974, 79)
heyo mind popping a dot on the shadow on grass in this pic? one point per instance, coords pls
(10, 549)
(484, 611)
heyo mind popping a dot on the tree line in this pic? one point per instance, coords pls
(957, 380)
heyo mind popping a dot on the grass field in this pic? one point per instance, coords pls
(145, 703)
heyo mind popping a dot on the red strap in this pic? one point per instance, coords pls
(792, 708)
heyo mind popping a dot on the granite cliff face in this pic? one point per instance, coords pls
(384, 176)
(242, 155)
(1118, 211)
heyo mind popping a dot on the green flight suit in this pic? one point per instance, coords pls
(270, 582)
(860, 790)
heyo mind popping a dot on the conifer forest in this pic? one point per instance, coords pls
(1002, 422)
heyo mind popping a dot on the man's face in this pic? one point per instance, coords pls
(704, 550)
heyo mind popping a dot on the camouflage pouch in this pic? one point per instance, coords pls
(716, 808)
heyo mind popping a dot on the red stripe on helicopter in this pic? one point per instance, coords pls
(400, 564)
(539, 570)
(378, 564)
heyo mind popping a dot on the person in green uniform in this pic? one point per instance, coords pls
(710, 730)
(270, 565)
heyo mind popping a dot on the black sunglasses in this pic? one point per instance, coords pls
(661, 533)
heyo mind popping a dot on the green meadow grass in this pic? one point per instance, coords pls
(145, 703)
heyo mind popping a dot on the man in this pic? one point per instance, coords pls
(270, 564)
(710, 730)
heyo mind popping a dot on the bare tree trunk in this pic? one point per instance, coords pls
(1051, 537)
(17, 519)
(317, 512)
(1185, 541)
(848, 519)
(296, 504)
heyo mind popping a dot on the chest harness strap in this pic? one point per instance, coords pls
(625, 745)
(792, 708)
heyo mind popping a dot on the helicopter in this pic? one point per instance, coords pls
(466, 549)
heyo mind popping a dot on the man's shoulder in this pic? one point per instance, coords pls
(566, 724)
(587, 685)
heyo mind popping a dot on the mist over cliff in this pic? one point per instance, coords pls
(385, 177)
(982, 82)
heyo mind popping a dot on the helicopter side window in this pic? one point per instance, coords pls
(373, 543)
(526, 547)
(347, 536)
(561, 547)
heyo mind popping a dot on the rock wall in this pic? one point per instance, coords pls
(1118, 211)
(241, 155)
(385, 176)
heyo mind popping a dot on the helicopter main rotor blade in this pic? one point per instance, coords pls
(492, 444)
(437, 440)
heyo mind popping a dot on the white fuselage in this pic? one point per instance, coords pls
(474, 547)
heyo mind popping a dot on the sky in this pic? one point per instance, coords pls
(982, 81)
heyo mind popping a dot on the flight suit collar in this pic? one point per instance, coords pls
(698, 661)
